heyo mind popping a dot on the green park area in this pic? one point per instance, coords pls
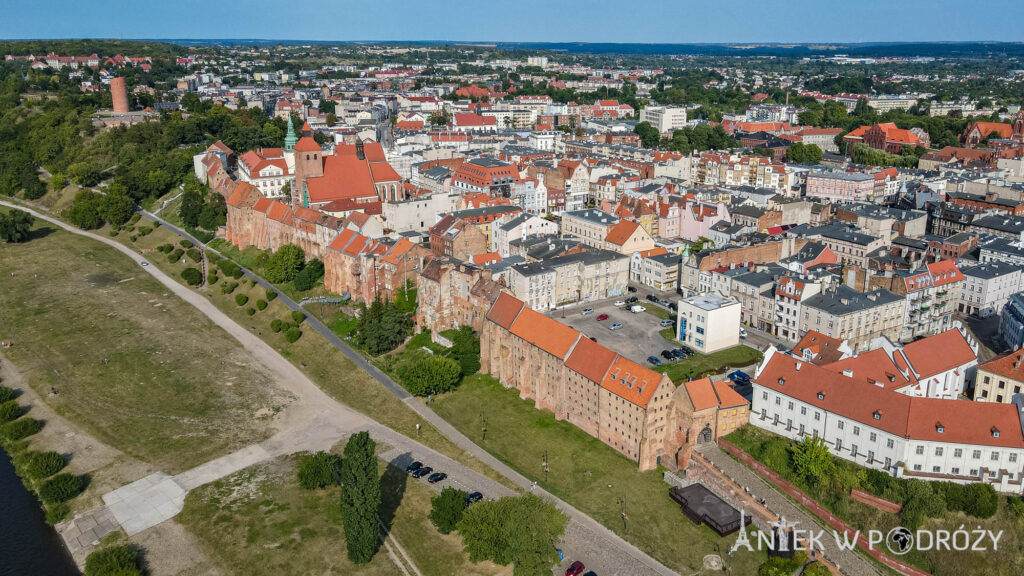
(700, 365)
(584, 472)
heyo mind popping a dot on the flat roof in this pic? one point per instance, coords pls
(709, 301)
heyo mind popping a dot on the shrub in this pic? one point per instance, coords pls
(156, 224)
(212, 258)
(186, 244)
(175, 256)
(261, 305)
(9, 410)
(298, 317)
(144, 230)
(194, 254)
(113, 233)
(134, 218)
(285, 264)
(466, 348)
(292, 334)
(133, 238)
(166, 248)
(229, 268)
(447, 508)
(241, 299)
(308, 276)
(56, 512)
(113, 561)
(271, 294)
(424, 375)
(20, 428)
(6, 393)
(250, 311)
(319, 470)
(275, 325)
(228, 287)
(60, 488)
(212, 278)
(192, 276)
(44, 464)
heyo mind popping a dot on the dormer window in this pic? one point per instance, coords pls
(782, 381)
(995, 432)
(940, 428)
(821, 395)
(877, 415)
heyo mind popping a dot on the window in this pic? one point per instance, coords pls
(976, 454)
(917, 467)
(873, 436)
(919, 450)
(888, 462)
(957, 453)
(955, 471)
(778, 401)
(938, 451)
(817, 416)
(790, 406)
(764, 395)
(856, 430)
(995, 456)
(889, 443)
(871, 456)
(936, 469)
(839, 444)
(974, 471)
(853, 450)
(841, 425)
(803, 410)
(1013, 457)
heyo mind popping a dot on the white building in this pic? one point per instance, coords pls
(664, 118)
(516, 226)
(925, 438)
(708, 322)
(987, 287)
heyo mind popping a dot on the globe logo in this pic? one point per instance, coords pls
(899, 540)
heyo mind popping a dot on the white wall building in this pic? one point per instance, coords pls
(987, 287)
(664, 118)
(708, 322)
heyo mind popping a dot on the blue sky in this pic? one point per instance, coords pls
(661, 21)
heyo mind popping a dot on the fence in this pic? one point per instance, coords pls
(818, 510)
(875, 502)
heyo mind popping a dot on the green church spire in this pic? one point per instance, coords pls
(290, 137)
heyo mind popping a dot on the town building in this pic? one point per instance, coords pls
(664, 118)
(456, 238)
(857, 317)
(591, 227)
(1011, 322)
(987, 288)
(579, 277)
(1000, 379)
(452, 294)
(708, 322)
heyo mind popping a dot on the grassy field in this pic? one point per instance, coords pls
(657, 311)
(259, 522)
(584, 472)
(713, 363)
(109, 349)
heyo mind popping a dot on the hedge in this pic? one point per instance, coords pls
(229, 268)
(192, 276)
(275, 325)
(41, 465)
(298, 317)
(271, 294)
(20, 428)
(194, 254)
(319, 470)
(212, 278)
(60, 488)
(6, 393)
(175, 256)
(228, 287)
(241, 299)
(261, 304)
(114, 561)
(9, 411)
(250, 311)
(186, 244)
(292, 334)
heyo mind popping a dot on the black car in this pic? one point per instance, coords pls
(672, 306)
(654, 360)
(680, 353)
(667, 354)
(632, 299)
(436, 477)
(422, 471)
(689, 351)
(414, 467)
(631, 288)
(652, 298)
(473, 497)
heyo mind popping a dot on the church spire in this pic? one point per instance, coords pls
(290, 138)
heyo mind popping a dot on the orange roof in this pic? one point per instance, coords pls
(278, 212)
(871, 367)
(504, 310)
(397, 251)
(631, 381)
(342, 239)
(939, 353)
(543, 332)
(485, 258)
(653, 252)
(409, 125)
(701, 394)
(944, 272)
(1009, 365)
(824, 348)
(590, 360)
(356, 245)
(986, 128)
(241, 193)
(262, 205)
(727, 397)
(622, 232)
(307, 144)
(383, 172)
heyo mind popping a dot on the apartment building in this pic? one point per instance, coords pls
(1000, 379)
(790, 293)
(931, 294)
(591, 227)
(664, 118)
(857, 317)
(708, 322)
(573, 278)
(987, 288)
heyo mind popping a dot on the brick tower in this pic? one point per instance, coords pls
(119, 94)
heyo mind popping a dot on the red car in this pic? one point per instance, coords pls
(602, 317)
(576, 569)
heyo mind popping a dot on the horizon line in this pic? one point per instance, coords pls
(776, 43)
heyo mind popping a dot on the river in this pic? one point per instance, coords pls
(27, 544)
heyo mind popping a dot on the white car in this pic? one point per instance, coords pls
(144, 263)
(620, 303)
(743, 332)
(586, 311)
(615, 326)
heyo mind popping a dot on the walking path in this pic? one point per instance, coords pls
(585, 539)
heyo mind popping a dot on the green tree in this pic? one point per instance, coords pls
(84, 211)
(466, 349)
(423, 374)
(804, 153)
(382, 327)
(192, 203)
(319, 470)
(310, 273)
(649, 135)
(447, 508)
(284, 264)
(812, 460)
(360, 498)
(16, 226)
(517, 530)
(117, 206)
(113, 561)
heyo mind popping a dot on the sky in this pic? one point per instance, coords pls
(627, 21)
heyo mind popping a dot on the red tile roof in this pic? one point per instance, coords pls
(504, 310)
(825, 349)
(543, 332)
(307, 144)
(701, 394)
(939, 353)
(590, 360)
(631, 381)
(621, 232)
(1009, 365)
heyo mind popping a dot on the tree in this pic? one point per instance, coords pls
(812, 459)
(518, 530)
(466, 350)
(192, 203)
(804, 153)
(117, 206)
(360, 498)
(331, 119)
(382, 327)
(649, 135)
(423, 374)
(16, 226)
(447, 508)
(310, 273)
(84, 211)
(113, 561)
(440, 118)
(284, 264)
(319, 470)
(328, 106)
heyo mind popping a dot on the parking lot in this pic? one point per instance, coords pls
(639, 336)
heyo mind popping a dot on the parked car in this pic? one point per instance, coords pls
(677, 353)
(667, 355)
(654, 360)
(436, 477)
(615, 326)
(652, 298)
(592, 339)
(636, 308)
(620, 303)
(601, 317)
(689, 351)
(740, 377)
(576, 569)
(672, 306)
(144, 263)
(743, 332)
(632, 299)
(422, 471)
(473, 497)
(586, 311)
(664, 302)
(414, 467)
(667, 322)
(631, 288)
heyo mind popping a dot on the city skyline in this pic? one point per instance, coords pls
(647, 21)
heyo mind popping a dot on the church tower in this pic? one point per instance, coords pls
(1018, 127)
(309, 163)
(290, 138)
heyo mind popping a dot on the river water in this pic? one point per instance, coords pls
(27, 545)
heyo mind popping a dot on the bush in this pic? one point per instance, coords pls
(447, 508)
(275, 325)
(466, 350)
(44, 464)
(186, 244)
(9, 411)
(60, 488)
(292, 334)
(285, 264)
(319, 470)
(166, 248)
(144, 230)
(194, 254)
(308, 276)
(228, 287)
(212, 278)
(271, 294)
(192, 276)
(241, 299)
(250, 311)
(261, 305)
(20, 428)
(175, 256)
(6, 393)
(424, 375)
(229, 268)
(298, 317)
(56, 512)
(114, 561)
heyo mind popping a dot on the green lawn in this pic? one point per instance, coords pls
(131, 364)
(584, 472)
(260, 522)
(655, 310)
(702, 364)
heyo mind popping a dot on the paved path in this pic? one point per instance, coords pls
(849, 562)
(585, 539)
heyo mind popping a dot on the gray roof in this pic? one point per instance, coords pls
(875, 212)
(1000, 222)
(990, 270)
(484, 211)
(592, 215)
(844, 233)
(845, 300)
(488, 162)
(855, 176)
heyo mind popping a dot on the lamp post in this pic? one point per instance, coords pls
(622, 501)
(545, 464)
(483, 427)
